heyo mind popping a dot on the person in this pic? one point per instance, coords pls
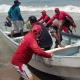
(14, 14)
(55, 32)
(45, 18)
(65, 21)
(44, 40)
(26, 49)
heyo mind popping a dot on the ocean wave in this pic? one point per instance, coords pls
(69, 8)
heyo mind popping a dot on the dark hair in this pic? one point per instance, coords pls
(17, 2)
(32, 19)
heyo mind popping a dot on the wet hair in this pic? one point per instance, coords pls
(32, 19)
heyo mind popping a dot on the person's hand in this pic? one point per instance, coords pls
(51, 54)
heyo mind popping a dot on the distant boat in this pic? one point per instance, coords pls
(64, 63)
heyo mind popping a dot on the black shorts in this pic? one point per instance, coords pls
(66, 23)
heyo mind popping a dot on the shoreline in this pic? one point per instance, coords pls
(25, 16)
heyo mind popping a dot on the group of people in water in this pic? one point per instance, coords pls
(38, 39)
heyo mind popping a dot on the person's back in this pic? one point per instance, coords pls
(67, 22)
(21, 53)
(15, 13)
(45, 40)
(62, 15)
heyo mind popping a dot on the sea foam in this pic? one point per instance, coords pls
(69, 8)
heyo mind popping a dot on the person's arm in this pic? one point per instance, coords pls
(51, 20)
(37, 50)
(46, 17)
(40, 18)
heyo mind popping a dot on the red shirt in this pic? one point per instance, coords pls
(45, 18)
(59, 16)
(26, 49)
(62, 15)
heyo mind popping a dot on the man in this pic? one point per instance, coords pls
(16, 18)
(64, 23)
(45, 18)
(44, 40)
(65, 20)
(26, 49)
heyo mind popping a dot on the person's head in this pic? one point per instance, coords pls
(17, 3)
(32, 19)
(37, 30)
(43, 12)
(57, 11)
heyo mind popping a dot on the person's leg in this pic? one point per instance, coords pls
(24, 72)
(21, 78)
(14, 28)
(56, 33)
(20, 26)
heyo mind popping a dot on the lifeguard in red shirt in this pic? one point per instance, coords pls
(26, 49)
(45, 18)
(65, 20)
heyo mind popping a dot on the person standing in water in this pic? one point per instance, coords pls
(65, 21)
(14, 14)
(53, 30)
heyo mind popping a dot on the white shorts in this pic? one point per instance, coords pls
(17, 26)
(25, 72)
